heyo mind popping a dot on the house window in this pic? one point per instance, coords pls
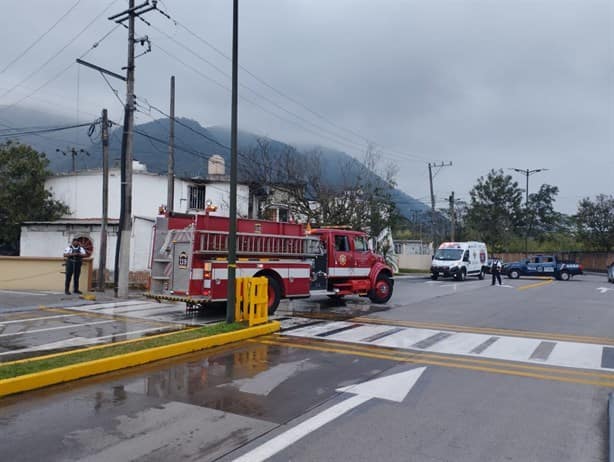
(197, 197)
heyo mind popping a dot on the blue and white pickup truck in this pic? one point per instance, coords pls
(542, 265)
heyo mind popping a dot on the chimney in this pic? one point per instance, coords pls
(216, 165)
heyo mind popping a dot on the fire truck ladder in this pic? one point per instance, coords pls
(216, 242)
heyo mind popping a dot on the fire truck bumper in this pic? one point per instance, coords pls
(178, 298)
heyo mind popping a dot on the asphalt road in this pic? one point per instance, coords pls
(519, 372)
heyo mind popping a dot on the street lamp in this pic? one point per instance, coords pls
(527, 173)
(232, 212)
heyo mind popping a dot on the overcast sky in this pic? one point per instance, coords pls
(482, 84)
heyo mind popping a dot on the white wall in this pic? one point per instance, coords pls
(140, 246)
(82, 192)
(416, 262)
(51, 240)
(39, 242)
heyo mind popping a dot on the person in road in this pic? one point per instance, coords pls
(73, 254)
(495, 269)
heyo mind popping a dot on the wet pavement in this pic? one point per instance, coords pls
(219, 403)
(38, 323)
(197, 408)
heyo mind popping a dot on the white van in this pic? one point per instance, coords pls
(459, 260)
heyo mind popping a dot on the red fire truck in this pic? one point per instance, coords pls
(189, 260)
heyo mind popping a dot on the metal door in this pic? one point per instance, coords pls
(182, 260)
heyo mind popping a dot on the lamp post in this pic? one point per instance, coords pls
(232, 231)
(527, 173)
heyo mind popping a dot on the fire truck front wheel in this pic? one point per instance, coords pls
(274, 294)
(382, 291)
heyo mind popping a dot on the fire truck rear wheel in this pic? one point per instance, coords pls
(382, 291)
(274, 294)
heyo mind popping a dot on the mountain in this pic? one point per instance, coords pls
(25, 119)
(194, 145)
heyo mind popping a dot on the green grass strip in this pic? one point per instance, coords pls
(39, 365)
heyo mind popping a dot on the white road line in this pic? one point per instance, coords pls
(292, 435)
(82, 341)
(24, 293)
(312, 331)
(576, 355)
(405, 338)
(512, 348)
(393, 388)
(68, 326)
(99, 306)
(458, 343)
(142, 311)
(564, 354)
(359, 333)
(14, 321)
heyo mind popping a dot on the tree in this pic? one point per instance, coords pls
(595, 222)
(541, 220)
(360, 197)
(495, 211)
(23, 196)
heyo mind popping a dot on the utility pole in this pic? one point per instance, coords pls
(527, 173)
(452, 216)
(170, 198)
(102, 259)
(433, 213)
(232, 232)
(73, 153)
(122, 253)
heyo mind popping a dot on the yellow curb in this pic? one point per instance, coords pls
(90, 297)
(100, 366)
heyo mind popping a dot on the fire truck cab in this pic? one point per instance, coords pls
(189, 260)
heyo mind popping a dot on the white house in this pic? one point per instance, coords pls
(82, 192)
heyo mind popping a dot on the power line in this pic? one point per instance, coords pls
(179, 122)
(53, 139)
(40, 37)
(55, 55)
(291, 99)
(44, 130)
(151, 138)
(258, 94)
(253, 102)
(346, 141)
(56, 76)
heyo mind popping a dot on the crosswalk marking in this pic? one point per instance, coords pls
(67, 326)
(509, 348)
(38, 318)
(138, 309)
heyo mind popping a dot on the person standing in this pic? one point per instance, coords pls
(495, 269)
(74, 254)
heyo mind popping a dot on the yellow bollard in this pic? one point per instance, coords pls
(252, 300)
